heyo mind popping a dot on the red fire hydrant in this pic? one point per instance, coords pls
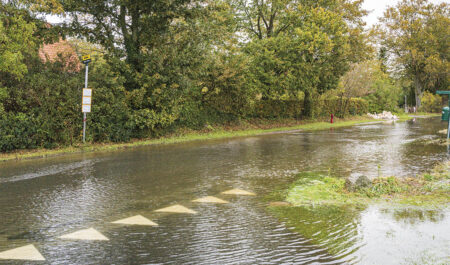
(332, 116)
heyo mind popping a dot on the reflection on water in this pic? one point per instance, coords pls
(375, 235)
(391, 239)
(333, 228)
(43, 199)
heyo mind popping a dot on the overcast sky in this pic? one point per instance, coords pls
(379, 6)
(376, 6)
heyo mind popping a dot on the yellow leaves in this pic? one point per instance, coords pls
(50, 6)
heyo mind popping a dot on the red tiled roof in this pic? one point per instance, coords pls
(52, 51)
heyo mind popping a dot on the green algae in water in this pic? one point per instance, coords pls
(332, 227)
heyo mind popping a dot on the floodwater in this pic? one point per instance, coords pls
(43, 199)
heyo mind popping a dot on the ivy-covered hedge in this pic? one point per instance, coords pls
(342, 107)
(278, 109)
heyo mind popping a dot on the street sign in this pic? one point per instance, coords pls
(87, 100)
(86, 58)
(86, 108)
(87, 92)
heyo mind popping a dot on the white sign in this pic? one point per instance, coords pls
(87, 92)
(86, 108)
(87, 100)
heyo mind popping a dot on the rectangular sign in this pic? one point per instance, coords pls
(86, 108)
(87, 92)
(86, 58)
(87, 101)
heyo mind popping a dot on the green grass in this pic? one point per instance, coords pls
(408, 116)
(431, 189)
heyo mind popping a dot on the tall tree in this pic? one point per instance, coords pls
(21, 32)
(125, 27)
(16, 40)
(301, 45)
(416, 34)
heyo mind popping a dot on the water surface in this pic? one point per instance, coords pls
(43, 199)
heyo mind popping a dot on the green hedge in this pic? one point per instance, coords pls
(278, 109)
(342, 107)
(431, 103)
(322, 107)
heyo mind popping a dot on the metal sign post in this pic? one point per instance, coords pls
(87, 95)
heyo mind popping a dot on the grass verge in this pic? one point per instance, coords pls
(431, 189)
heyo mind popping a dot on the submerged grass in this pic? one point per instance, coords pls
(430, 189)
(322, 210)
(407, 116)
(249, 128)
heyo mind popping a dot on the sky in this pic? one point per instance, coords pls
(379, 6)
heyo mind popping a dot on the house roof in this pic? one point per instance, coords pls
(51, 52)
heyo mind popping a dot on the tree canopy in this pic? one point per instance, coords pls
(159, 66)
(416, 33)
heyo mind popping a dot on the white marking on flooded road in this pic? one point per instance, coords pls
(210, 199)
(136, 220)
(238, 192)
(176, 209)
(28, 252)
(85, 234)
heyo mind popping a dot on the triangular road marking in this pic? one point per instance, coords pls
(210, 199)
(28, 252)
(135, 220)
(85, 234)
(176, 209)
(238, 192)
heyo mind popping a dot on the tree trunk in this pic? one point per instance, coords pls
(418, 92)
(307, 105)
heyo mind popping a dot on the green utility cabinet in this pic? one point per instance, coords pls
(445, 113)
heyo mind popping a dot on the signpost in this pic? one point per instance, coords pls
(440, 92)
(87, 95)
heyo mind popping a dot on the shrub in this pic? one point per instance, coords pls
(344, 107)
(322, 107)
(278, 109)
(386, 96)
(431, 103)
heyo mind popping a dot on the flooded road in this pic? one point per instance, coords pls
(41, 200)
